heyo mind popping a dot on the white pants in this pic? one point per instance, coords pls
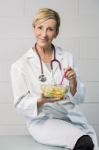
(55, 132)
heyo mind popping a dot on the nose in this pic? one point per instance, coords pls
(44, 33)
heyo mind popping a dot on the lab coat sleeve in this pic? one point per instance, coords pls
(79, 96)
(80, 93)
(23, 101)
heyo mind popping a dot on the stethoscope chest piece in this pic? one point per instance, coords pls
(42, 78)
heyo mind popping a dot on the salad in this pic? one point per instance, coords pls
(54, 91)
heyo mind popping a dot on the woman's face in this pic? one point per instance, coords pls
(45, 32)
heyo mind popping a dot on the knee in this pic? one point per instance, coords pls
(89, 143)
(84, 143)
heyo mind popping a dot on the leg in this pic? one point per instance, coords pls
(55, 132)
(84, 143)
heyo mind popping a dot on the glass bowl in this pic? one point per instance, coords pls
(54, 91)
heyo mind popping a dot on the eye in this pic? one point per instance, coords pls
(50, 29)
(40, 27)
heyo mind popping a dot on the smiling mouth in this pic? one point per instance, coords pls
(43, 40)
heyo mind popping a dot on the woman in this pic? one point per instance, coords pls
(44, 115)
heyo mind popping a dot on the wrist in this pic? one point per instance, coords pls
(73, 83)
(73, 86)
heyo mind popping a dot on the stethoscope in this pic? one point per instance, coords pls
(42, 77)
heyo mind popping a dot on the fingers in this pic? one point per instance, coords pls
(51, 100)
(54, 99)
(70, 73)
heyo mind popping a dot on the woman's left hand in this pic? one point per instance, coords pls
(70, 73)
(71, 76)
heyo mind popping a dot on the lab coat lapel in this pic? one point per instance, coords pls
(34, 60)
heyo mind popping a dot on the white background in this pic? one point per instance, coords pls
(79, 33)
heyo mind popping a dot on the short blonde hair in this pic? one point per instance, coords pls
(45, 14)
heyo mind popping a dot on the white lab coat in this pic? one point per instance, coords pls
(26, 91)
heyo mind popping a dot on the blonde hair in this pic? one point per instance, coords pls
(45, 14)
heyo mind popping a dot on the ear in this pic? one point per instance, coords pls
(33, 29)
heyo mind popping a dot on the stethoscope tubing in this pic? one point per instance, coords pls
(42, 76)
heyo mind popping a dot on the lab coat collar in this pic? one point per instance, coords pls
(59, 55)
(30, 53)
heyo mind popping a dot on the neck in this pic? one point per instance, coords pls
(45, 53)
(44, 50)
